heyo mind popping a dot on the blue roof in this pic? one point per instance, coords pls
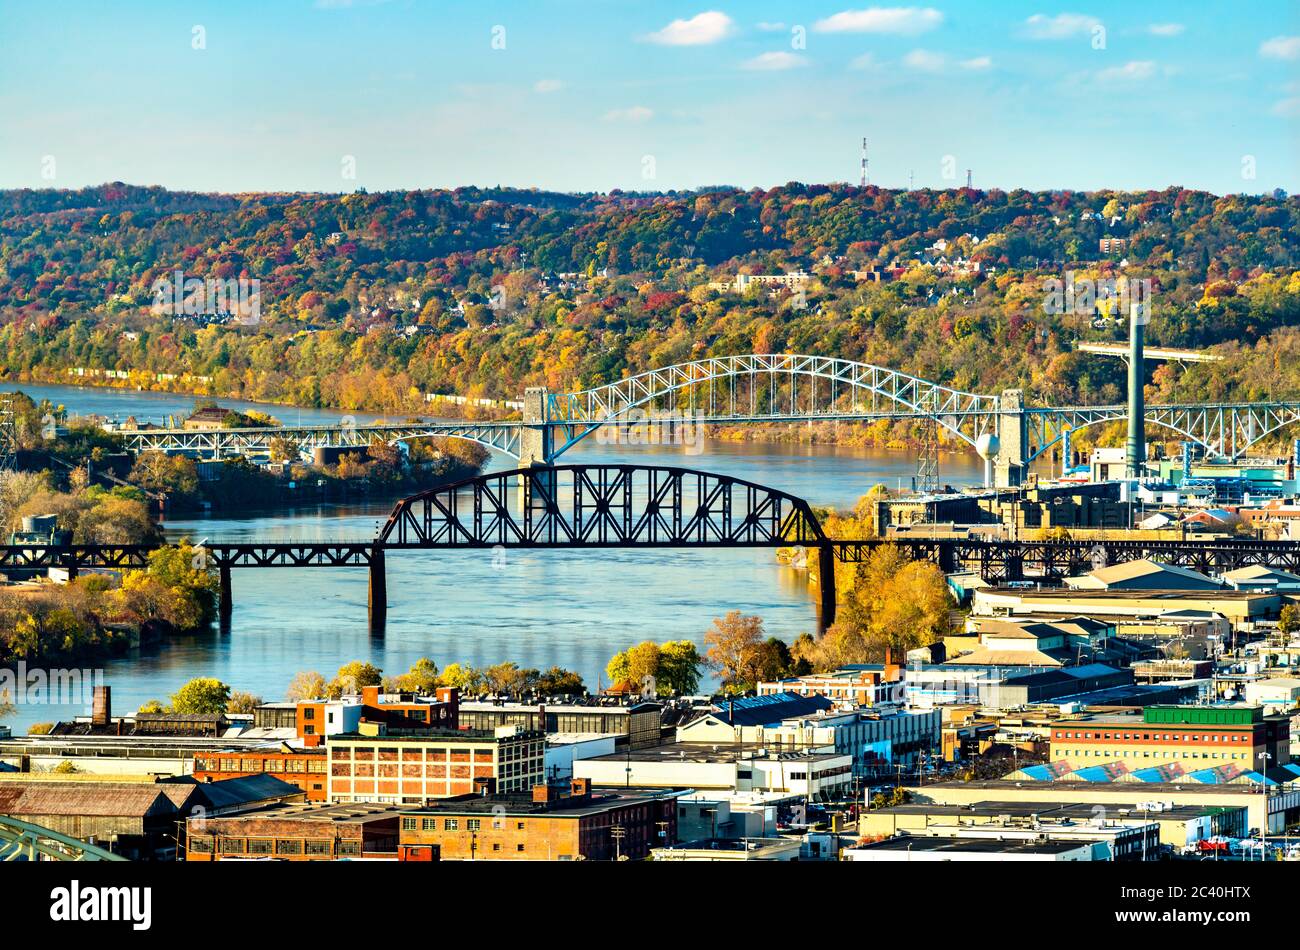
(1171, 772)
(763, 710)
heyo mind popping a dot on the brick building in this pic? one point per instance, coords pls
(546, 824)
(306, 768)
(420, 767)
(296, 832)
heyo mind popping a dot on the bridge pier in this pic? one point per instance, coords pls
(536, 441)
(378, 595)
(225, 600)
(1013, 440)
(826, 582)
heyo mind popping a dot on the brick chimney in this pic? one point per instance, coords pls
(543, 794)
(580, 787)
(370, 695)
(102, 708)
(449, 696)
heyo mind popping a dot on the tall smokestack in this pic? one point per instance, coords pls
(1136, 445)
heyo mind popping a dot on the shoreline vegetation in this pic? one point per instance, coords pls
(57, 496)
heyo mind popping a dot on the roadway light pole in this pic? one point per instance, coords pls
(1263, 824)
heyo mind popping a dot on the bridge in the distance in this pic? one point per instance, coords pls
(595, 507)
(769, 388)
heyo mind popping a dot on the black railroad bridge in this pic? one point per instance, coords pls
(578, 507)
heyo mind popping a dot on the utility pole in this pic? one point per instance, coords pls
(618, 832)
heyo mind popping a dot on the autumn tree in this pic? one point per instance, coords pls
(731, 642)
(242, 702)
(307, 684)
(351, 677)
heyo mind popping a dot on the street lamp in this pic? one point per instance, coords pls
(1263, 825)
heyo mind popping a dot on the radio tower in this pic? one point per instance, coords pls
(968, 179)
(863, 182)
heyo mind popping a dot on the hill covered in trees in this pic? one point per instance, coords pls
(371, 300)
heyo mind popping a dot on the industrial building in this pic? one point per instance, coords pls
(549, 823)
(419, 767)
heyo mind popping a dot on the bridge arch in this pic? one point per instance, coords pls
(1115, 418)
(601, 506)
(967, 415)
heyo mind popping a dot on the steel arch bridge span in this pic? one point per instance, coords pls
(600, 506)
(24, 841)
(1225, 430)
(758, 388)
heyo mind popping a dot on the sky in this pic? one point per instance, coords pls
(335, 95)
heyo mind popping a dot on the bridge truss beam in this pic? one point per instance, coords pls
(219, 443)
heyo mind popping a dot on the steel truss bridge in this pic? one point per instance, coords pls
(583, 507)
(23, 841)
(764, 388)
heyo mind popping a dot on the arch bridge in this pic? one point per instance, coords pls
(23, 841)
(765, 388)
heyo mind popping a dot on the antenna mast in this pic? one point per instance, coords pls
(863, 182)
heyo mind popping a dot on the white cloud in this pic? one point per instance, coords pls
(979, 62)
(548, 85)
(1287, 108)
(1040, 26)
(771, 27)
(924, 60)
(905, 21)
(865, 61)
(1166, 29)
(771, 62)
(1135, 71)
(630, 114)
(1281, 47)
(700, 30)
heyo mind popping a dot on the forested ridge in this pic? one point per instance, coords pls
(371, 300)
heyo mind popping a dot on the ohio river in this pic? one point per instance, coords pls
(536, 608)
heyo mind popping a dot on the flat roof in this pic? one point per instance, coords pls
(971, 845)
(434, 735)
(335, 814)
(521, 804)
(1148, 790)
(1073, 811)
(699, 753)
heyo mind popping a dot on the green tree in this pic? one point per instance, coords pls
(201, 696)
(421, 678)
(557, 681)
(679, 668)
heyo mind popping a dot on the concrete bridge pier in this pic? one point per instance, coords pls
(1013, 440)
(536, 441)
(826, 582)
(378, 594)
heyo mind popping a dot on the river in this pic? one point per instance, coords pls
(537, 608)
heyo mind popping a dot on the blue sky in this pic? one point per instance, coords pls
(599, 94)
